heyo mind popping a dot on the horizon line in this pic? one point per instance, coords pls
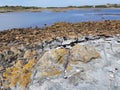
(60, 6)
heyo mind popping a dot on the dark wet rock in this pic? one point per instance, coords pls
(8, 52)
(9, 61)
(1, 57)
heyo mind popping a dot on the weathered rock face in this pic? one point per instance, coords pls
(84, 64)
(60, 57)
(57, 63)
(54, 62)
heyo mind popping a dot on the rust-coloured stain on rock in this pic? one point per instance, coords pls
(19, 74)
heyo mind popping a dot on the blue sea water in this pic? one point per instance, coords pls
(32, 19)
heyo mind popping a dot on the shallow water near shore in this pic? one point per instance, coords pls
(32, 19)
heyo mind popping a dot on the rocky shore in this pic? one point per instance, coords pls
(33, 36)
(64, 56)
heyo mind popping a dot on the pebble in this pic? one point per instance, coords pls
(1, 68)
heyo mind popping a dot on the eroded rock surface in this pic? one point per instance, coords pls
(99, 71)
(70, 65)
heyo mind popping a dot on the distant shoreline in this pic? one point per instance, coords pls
(53, 10)
(6, 9)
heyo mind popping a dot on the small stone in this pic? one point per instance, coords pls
(29, 53)
(1, 56)
(67, 42)
(116, 68)
(17, 37)
(65, 77)
(1, 68)
(8, 52)
(15, 50)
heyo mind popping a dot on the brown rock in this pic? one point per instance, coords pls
(29, 53)
(1, 68)
(15, 50)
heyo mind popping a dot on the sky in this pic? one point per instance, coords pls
(56, 3)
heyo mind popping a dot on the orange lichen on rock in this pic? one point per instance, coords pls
(69, 68)
(29, 65)
(52, 71)
(25, 79)
(1, 68)
(19, 74)
(60, 54)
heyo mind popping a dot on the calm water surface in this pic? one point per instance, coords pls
(32, 19)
